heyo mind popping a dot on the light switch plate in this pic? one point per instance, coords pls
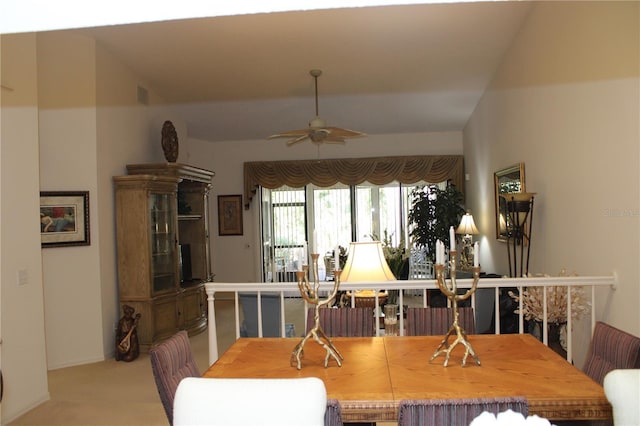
(23, 277)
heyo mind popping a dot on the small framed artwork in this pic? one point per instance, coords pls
(64, 218)
(229, 214)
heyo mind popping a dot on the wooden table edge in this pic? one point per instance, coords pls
(368, 411)
(582, 409)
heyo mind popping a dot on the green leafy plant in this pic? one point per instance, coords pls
(396, 257)
(433, 211)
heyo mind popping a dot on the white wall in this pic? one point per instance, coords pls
(91, 127)
(127, 132)
(23, 344)
(237, 258)
(67, 122)
(565, 101)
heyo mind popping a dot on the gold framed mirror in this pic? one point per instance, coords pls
(506, 180)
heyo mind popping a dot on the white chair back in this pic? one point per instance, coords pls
(622, 388)
(244, 402)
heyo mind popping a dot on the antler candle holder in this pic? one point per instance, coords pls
(451, 291)
(310, 294)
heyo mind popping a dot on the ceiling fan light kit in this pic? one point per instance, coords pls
(318, 132)
(317, 123)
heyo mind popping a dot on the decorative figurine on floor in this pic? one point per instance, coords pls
(169, 142)
(310, 295)
(127, 346)
(451, 291)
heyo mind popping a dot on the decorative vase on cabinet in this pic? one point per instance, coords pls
(163, 256)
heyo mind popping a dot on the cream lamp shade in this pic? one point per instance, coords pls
(467, 225)
(366, 263)
(467, 228)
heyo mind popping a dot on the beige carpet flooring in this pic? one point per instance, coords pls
(120, 393)
(115, 392)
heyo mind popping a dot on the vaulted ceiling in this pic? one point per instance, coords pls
(386, 69)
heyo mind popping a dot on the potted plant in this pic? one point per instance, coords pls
(533, 300)
(397, 260)
(396, 257)
(433, 211)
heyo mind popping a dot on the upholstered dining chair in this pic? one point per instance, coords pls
(436, 321)
(610, 349)
(257, 401)
(333, 415)
(343, 322)
(171, 361)
(455, 412)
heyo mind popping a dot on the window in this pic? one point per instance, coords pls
(283, 232)
(335, 215)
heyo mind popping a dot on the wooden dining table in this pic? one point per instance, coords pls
(378, 372)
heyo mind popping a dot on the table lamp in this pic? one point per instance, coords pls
(467, 228)
(366, 264)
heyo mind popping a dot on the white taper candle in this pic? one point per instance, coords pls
(315, 242)
(305, 253)
(476, 255)
(299, 259)
(452, 238)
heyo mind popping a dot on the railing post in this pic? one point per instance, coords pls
(213, 337)
(283, 325)
(376, 312)
(593, 309)
(402, 311)
(521, 313)
(259, 301)
(236, 307)
(496, 310)
(545, 314)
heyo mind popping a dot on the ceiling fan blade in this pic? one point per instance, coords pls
(290, 134)
(337, 132)
(297, 140)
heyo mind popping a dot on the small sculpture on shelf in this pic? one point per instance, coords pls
(310, 294)
(169, 142)
(451, 291)
(127, 345)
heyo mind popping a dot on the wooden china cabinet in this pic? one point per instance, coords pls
(162, 221)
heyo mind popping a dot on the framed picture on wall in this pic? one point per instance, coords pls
(506, 181)
(64, 218)
(229, 214)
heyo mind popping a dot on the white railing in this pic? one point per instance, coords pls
(484, 283)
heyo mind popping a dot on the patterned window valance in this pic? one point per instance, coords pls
(351, 171)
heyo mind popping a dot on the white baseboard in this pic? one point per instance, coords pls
(75, 363)
(8, 416)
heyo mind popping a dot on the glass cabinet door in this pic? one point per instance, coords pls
(163, 241)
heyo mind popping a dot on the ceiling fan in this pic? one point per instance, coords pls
(318, 132)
